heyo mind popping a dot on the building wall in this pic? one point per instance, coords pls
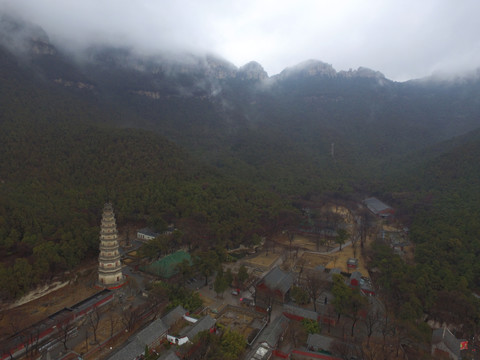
(142, 236)
(110, 279)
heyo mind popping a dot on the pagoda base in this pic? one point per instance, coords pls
(112, 285)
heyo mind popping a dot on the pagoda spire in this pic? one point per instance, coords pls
(109, 264)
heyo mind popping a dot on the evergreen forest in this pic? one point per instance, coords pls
(230, 160)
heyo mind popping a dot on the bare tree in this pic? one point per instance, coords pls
(315, 284)
(290, 236)
(297, 249)
(66, 327)
(345, 349)
(300, 265)
(266, 246)
(371, 352)
(387, 329)
(93, 320)
(354, 239)
(356, 304)
(127, 239)
(364, 222)
(295, 332)
(113, 321)
(130, 317)
(157, 298)
(400, 336)
(5, 349)
(86, 340)
(371, 322)
(34, 338)
(25, 337)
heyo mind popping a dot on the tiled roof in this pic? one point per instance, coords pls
(451, 342)
(298, 311)
(271, 334)
(276, 279)
(319, 342)
(173, 316)
(332, 272)
(131, 351)
(148, 232)
(137, 343)
(167, 266)
(204, 323)
(152, 332)
(375, 205)
(170, 355)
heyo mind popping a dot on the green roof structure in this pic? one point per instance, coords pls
(167, 266)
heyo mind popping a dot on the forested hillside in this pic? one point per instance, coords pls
(61, 160)
(446, 225)
(437, 192)
(224, 153)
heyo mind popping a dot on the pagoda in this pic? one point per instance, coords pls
(109, 265)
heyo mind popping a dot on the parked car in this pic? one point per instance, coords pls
(235, 292)
(247, 301)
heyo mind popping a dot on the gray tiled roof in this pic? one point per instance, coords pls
(173, 316)
(332, 272)
(137, 343)
(169, 355)
(298, 311)
(204, 323)
(152, 332)
(148, 232)
(129, 352)
(271, 334)
(319, 342)
(375, 205)
(276, 279)
(451, 342)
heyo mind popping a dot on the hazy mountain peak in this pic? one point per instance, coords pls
(252, 71)
(443, 77)
(20, 36)
(363, 72)
(310, 68)
(219, 68)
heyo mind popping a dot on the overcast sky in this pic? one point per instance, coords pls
(403, 39)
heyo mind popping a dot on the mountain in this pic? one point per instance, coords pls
(214, 109)
(308, 129)
(63, 155)
(221, 150)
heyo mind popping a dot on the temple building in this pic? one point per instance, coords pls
(109, 264)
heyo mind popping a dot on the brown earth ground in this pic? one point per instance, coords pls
(302, 242)
(238, 319)
(335, 260)
(103, 334)
(20, 317)
(262, 260)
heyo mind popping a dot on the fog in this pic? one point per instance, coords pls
(402, 39)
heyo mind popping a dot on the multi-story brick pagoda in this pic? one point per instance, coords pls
(110, 266)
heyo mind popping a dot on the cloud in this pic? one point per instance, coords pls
(402, 39)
